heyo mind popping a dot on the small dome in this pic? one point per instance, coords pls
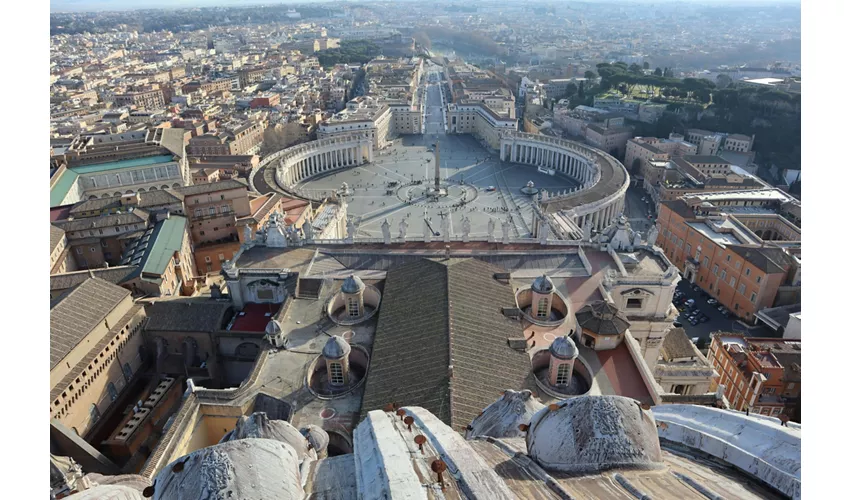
(274, 329)
(543, 284)
(594, 433)
(336, 348)
(602, 318)
(352, 284)
(564, 348)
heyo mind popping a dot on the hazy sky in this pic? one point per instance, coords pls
(96, 5)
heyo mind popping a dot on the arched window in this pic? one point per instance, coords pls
(336, 374)
(563, 374)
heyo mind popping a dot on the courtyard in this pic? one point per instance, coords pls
(478, 188)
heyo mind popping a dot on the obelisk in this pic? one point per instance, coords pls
(437, 169)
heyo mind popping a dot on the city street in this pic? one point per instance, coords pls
(637, 210)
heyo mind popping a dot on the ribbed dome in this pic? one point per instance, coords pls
(352, 284)
(274, 329)
(594, 433)
(564, 348)
(543, 284)
(336, 348)
(602, 318)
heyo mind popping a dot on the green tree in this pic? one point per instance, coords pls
(572, 88)
(645, 65)
(658, 72)
(590, 75)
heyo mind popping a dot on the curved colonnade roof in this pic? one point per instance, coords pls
(613, 175)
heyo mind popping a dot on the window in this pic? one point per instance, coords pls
(128, 372)
(790, 386)
(113, 392)
(212, 210)
(222, 197)
(747, 271)
(728, 258)
(742, 289)
(732, 281)
(753, 297)
(198, 212)
(723, 274)
(563, 375)
(225, 209)
(353, 307)
(336, 374)
(196, 201)
(221, 257)
(634, 303)
(543, 308)
(207, 259)
(202, 233)
(758, 280)
(714, 270)
(79, 251)
(738, 265)
(688, 248)
(705, 262)
(736, 306)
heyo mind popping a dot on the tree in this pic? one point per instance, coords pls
(572, 88)
(658, 72)
(590, 75)
(581, 90)
(634, 68)
(645, 65)
(723, 81)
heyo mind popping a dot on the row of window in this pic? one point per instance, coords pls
(225, 209)
(81, 383)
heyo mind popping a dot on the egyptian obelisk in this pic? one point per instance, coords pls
(437, 169)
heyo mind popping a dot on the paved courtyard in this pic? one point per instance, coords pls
(479, 187)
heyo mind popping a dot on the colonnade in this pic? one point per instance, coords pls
(551, 157)
(593, 169)
(306, 160)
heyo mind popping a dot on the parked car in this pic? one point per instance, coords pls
(694, 322)
(694, 339)
(677, 324)
(704, 319)
(690, 302)
(712, 302)
(695, 287)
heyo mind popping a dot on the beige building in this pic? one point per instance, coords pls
(682, 369)
(61, 259)
(481, 121)
(150, 99)
(707, 143)
(95, 352)
(648, 149)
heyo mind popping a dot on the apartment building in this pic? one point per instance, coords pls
(212, 210)
(241, 139)
(707, 143)
(143, 100)
(715, 248)
(762, 375)
(647, 149)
